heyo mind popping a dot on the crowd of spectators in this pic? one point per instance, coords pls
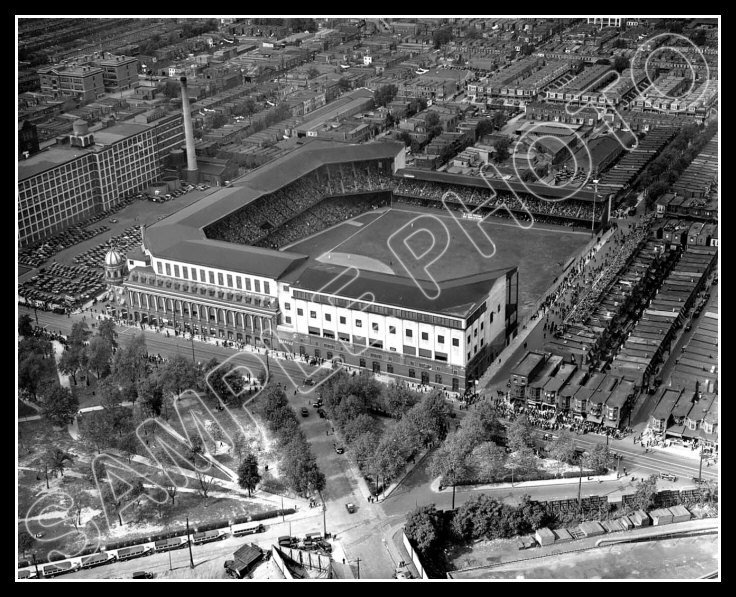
(265, 221)
(327, 213)
(567, 212)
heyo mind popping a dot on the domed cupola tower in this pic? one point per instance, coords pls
(114, 267)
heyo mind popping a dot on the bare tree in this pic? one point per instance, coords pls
(204, 482)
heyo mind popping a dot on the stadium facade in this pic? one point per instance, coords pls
(188, 278)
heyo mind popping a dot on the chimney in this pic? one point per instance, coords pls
(192, 172)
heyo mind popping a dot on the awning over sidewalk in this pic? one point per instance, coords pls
(611, 424)
(594, 419)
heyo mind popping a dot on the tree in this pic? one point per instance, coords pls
(150, 396)
(484, 127)
(522, 461)
(519, 434)
(385, 94)
(440, 37)
(60, 406)
(620, 63)
(106, 330)
(698, 37)
(450, 461)
(33, 372)
(388, 460)
(424, 528)
(56, 460)
(562, 449)
(363, 447)
(99, 354)
(204, 482)
(312, 72)
(79, 334)
(644, 497)
(481, 516)
(95, 429)
(356, 427)
(130, 363)
(240, 446)
(487, 462)
(343, 83)
(118, 494)
(25, 325)
(502, 150)
(179, 374)
(248, 476)
(25, 542)
(405, 137)
(597, 459)
(397, 398)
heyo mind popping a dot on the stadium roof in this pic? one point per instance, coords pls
(503, 186)
(457, 297)
(181, 235)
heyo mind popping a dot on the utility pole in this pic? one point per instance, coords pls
(453, 496)
(324, 519)
(35, 563)
(595, 197)
(358, 562)
(191, 337)
(189, 543)
(580, 485)
(283, 519)
(700, 467)
(46, 472)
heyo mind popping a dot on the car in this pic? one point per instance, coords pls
(305, 412)
(142, 575)
(317, 403)
(339, 449)
(324, 545)
(699, 480)
(350, 508)
(688, 327)
(321, 413)
(308, 381)
(668, 476)
(113, 221)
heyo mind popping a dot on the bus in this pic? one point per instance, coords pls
(247, 528)
(206, 537)
(98, 559)
(127, 553)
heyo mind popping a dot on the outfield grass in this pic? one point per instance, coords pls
(539, 252)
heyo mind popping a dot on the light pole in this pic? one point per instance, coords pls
(595, 198)
(189, 543)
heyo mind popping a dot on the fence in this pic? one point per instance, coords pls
(414, 556)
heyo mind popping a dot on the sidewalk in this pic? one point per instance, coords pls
(435, 485)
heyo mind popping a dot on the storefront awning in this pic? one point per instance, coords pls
(594, 419)
(611, 424)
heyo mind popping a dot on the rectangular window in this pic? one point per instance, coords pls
(376, 343)
(328, 334)
(343, 336)
(229, 281)
(313, 314)
(481, 325)
(238, 282)
(287, 319)
(185, 271)
(201, 276)
(359, 340)
(176, 271)
(423, 352)
(358, 323)
(342, 320)
(456, 342)
(408, 334)
(475, 333)
(212, 277)
(374, 326)
(412, 373)
(266, 288)
(300, 312)
(440, 356)
(159, 268)
(314, 331)
(220, 279)
(168, 269)
(425, 336)
(389, 368)
(468, 339)
(440, 339)
(328, 317)
(247, 283)
(257, 285)
(410, 350)
(392, 329)
(287, 306)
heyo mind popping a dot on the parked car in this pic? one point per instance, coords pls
(308, 381)
(668, 476)
(305, 412)
(321, 413)
(339, 449)
(113, 221)
(350, 508)
(142, 574)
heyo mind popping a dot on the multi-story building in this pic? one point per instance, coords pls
(86, 172)
(288, 301)
(85, 83)
(118, 72)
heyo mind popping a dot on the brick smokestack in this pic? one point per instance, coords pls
(192, 170)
